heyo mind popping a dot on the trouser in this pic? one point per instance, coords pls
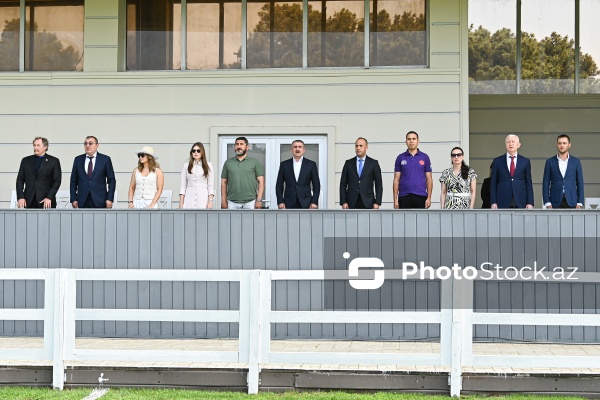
(412, 201)
(240, 206)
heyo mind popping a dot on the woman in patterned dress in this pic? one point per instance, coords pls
(458, 183)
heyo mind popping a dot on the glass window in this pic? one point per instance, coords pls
(274, 35)
(548, 46)
(492, 46)
(54, 35)
(9, 35)
(336, 33)
(214, 34)
(589, 56)
(397, 32)
(153, 35)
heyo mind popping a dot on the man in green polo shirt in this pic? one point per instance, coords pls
(242, 179)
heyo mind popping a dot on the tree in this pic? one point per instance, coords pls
(49, 54)
(336, 41)
(547, 65)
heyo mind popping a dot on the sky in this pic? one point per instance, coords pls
(542, 17)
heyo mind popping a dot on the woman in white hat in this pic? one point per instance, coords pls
(147, 181)
(197, 188)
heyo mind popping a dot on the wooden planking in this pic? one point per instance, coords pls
(277, 240)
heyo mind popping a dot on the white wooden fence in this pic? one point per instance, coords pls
(255, 317)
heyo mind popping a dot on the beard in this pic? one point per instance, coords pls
(240, 152)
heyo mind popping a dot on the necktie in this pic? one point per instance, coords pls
(512, 166)
(360, 166)
(90, 167)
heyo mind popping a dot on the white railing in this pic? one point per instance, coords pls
(255, 318)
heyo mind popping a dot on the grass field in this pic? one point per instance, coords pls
(20, 393)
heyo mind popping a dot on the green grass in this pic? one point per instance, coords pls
(21, 393)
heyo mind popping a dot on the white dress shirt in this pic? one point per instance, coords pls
(87, 161)
(297, 166)
(508, 156)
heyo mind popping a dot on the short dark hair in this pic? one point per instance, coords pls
(298, 141)
(43, 139)
(92, 137)
(242, 138)
(362, 138)
(409, 132)
(564, 135)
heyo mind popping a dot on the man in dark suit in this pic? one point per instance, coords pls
(39, 178)
(93, 178)
(562, 186)
(296, 175)
(511, 185)
(359, 175)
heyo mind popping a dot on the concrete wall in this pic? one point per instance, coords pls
(172, 109)
(538, 120)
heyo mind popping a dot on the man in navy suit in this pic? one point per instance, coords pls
(511, 185)
(562, 186)
(359, 175)
(39, 178)
(293, 187)
(93, 178)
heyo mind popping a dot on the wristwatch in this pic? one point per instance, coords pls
(259, 200)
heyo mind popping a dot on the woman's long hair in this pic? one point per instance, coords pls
(464, 168)
(152, 164)
(203, 159)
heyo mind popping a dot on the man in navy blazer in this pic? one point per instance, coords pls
(356, 189)
(294, 180)
(562, 186)
(93, 178)
(511, 185)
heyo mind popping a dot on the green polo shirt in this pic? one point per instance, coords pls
(241, 178)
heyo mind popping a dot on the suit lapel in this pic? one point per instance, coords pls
(42, 165)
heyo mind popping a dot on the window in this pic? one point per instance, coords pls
(246, 34)
(53, 36)
(538, 56)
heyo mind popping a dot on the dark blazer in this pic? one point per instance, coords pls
(504, 188)
(485, 193)
(96, 186)
(44, 185)
(300, 190)
(352, 186)
(553, 182)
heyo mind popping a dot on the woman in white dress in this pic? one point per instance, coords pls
(197, 188)
(147, 181)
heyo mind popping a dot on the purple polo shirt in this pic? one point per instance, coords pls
(412, 170)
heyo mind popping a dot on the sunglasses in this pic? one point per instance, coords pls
(141, 155)
(456, 154)
(89, 143)
(196, 150)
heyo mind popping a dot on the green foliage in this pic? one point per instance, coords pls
(334, 41)
(49, 53)
(547, 65)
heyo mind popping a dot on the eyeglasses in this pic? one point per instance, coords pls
(456, 155)
(89, 143)
(196, 150)
(141, 155)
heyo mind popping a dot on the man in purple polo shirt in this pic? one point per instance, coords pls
(413, 182)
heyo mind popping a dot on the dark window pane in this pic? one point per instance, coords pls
(398, 35)
(274, 35)
(153, 35)
(214, 35)
(548, 47)
(336, 33)
(589, 56)
(9, 35)
(492, 46)
(54, 35)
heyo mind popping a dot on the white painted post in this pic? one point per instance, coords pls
(457, 342)
(58, 361)
(264, 340)
(254, 301)
(446, 324)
